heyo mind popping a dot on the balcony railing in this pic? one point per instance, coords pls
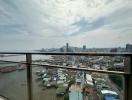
(126, 74)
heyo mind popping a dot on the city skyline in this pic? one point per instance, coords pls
(37, 24)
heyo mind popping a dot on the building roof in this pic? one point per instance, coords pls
(108, 92)
(89, 79)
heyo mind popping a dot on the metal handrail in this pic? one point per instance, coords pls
(66, 67)
(74, 53)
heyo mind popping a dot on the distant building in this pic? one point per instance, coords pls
(84, 47)
(129, 47)
(127, 59)
(61, 50)
(42, 50)
(113, 50)
(67, 47)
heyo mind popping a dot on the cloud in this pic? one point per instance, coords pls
(118, 20)
(73, 19)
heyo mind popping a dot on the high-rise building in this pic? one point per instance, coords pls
(127, 59)
(129, 47)
(67, 47)
(61, 50)
(84, 47)
(113, 50)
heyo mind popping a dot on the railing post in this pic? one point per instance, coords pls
(128, 81)
(29, 75)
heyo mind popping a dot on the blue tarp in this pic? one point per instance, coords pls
(109, 97)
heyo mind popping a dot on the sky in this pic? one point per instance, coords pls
(36, 24)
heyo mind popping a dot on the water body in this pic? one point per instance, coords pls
(13, 85)
(23, 58)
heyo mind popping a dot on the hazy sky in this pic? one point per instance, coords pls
(35, 24)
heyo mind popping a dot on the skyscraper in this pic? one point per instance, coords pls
(84, 47)
(67, 47)
(129, 47)
(127, 59)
